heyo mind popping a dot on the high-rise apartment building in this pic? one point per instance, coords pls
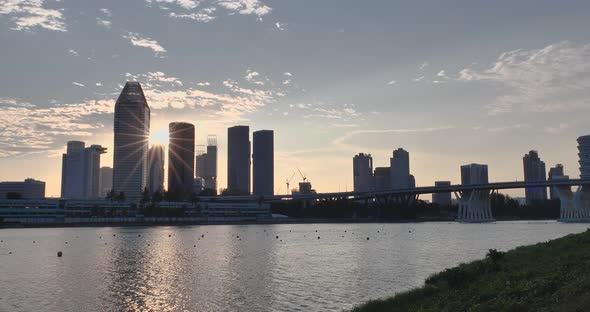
(238, 159)
(534, 171)
(132, 130)
(362, 173)
(181, 155)
(263, 162)
(105, 182)
(81, 171)
(400, 170)
(381, 178)
(156, 168)
(473, 174)
(442, 199)
(556, 173)
(206, 164)
(584, 156)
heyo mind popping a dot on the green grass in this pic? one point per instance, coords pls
(550, 276)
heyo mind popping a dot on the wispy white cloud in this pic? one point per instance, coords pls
(73, 52)
(245, 7)
(98, 84)
(424, 65)
(78, 84)
(203, 84)
(287, 74)
(106, 12)
(139, 41)
(550, 79)
(391, 82)
(280, 26)
(557, 129)
(28, 14)
(104, 23)
(186, 4)
(418, 79)
(29, 129)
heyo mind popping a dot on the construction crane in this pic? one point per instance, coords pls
(302, 175)
(289, 181)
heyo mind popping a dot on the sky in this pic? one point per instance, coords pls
(452, 82)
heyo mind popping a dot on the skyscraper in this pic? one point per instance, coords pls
(210, 176)
(442, 199)
(156, 168)
(474, 174)
(206, 164)
(362, 172)
(81, 171)
(584, 156)
(181, 155)
(400, 169)
(105, 182)
(263, 162)
(534, 171)
(238, 159)
(29, 189)
(132, 129)
(556, 173)
(381, 178)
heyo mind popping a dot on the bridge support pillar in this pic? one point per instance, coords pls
(575, 206)
(474, 206)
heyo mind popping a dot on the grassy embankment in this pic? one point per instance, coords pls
(550, 276)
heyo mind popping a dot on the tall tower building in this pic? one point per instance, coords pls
(534, 171)
(263, 162)
(584, 156)
(181, 155)
(442, 199)
(210, 176)
(556, 173)
(400, 169)
(238, 159)
(474, 174)
(132, 130)
(81, 171)
(362, 173)
(381, 178)
(105, 182)
(156, 168)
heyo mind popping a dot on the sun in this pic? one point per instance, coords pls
(159, 136)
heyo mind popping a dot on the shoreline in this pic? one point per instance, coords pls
(238, 222)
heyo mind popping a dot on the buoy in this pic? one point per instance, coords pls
(10, 252)
(59, 254)
(318, 237)
(203, 235)
(238, 236)
(148, 244)
(138, 235)
(316, 231)
(277, 237)
(105, 243)
(114, 235)
(169, 235)
(194, 245)
(344, 231)
(66, 243)
(367, 238)
(281, 240)
(33, 242)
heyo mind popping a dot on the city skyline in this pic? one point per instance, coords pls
(368, 87)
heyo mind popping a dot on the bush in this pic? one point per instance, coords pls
(495, 255)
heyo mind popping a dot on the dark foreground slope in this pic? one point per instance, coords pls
(551, 276)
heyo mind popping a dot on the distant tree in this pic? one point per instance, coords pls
(111, 195)
(13, 195)
(157, 197)
(145, 196)
(208, 192)
(121, 197)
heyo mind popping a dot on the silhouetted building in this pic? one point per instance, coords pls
(362, 173)
(584, 156)
(206, 164)
(132, 130)
(105, 181)
(263, 162)
(534, 171)
(400, 169)
(442, 199)
(29, 189)
(556, 173)
(411, 181)
(156, 168)
(181, 153)
(81, 171)
(473, 174)
(381, 178)
(238, 159)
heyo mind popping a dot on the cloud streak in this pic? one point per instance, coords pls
(30, 14)
(136, 40)
(551, 79)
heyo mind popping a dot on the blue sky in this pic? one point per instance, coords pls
(452, 82)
